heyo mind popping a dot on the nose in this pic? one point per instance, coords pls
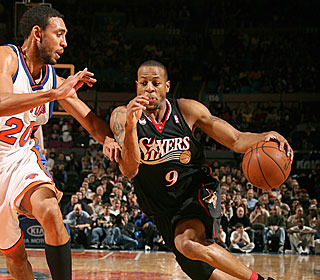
(149, 87)
(64, 42)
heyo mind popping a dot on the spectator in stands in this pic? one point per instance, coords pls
(313, 219)
(240, 241)
(84, 199)
(147, 233)
(237, 202)
(124, 233)
(95, 208)
(132, 200)
(222, 238)
(60, 176)
(294, 219)
(88, 193)
(93, 182)
(80, 226)
(102, 228)
(86, 162)
(276, 224)
(50, 161)
(135, 214)
(302, 238)
(115, 206)
(294, 204)
(69, 207)
(259, 215)
(81, 199)
(251, 199)
(61, 159)
(240, 217)
(72, 163)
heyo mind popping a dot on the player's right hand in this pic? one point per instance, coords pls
(70, 86)
(134, 110)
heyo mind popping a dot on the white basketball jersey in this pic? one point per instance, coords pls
(16, 131)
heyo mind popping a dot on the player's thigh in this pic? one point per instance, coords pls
(191, 229)
(40, 200)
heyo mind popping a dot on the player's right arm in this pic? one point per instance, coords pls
(123, 123)
(12, 103)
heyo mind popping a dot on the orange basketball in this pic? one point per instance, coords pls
(265, 166)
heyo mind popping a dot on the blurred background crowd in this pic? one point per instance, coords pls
(215, 48)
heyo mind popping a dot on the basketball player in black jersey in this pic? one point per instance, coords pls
(166, 162)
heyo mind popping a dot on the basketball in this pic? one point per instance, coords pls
(185, 157)
(265, 166)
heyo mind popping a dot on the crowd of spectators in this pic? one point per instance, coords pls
(103, 211)
(249, 47)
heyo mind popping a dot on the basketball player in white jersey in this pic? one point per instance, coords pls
(28, 85)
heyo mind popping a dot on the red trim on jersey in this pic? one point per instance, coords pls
(254, 276)
(160, 126)
(14, 246)
(201, 201)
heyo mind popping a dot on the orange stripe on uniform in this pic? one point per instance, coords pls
(14, 246)
(33, 184)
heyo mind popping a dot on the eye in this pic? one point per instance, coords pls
(156, 84)
(144, 83)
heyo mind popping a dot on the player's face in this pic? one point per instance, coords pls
(152, 84)
(53, 41)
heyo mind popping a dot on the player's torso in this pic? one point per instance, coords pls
(169, 156)
(16, 130)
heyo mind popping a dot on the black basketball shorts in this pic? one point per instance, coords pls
(205, 205)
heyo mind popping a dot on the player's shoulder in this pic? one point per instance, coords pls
(119, 114)
(120, 109)
(7, 53)
(8, 59)
(190, 105)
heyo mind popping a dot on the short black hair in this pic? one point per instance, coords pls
(156, 64)
(37, 15)
(239, 225)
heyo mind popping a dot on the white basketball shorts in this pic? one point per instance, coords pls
(16, 178)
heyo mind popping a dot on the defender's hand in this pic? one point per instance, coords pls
(111, 149)
(73, 83)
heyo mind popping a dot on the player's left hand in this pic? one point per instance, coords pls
(283, 143)
(112, 149)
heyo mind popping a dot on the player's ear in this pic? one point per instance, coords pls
(136, 84)
(167, 86)
(37, 33)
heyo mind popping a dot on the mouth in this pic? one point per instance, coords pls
(59, 53)
(151, 100)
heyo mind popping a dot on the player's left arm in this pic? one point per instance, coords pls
(97, 127)
(198, 115)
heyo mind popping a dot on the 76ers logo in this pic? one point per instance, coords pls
(211, 197)
(31, 176)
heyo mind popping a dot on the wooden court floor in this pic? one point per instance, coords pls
(140, 265)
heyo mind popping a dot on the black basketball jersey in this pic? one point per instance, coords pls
(170, 156)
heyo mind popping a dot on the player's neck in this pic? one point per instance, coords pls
(156, 115)
(32, 59)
